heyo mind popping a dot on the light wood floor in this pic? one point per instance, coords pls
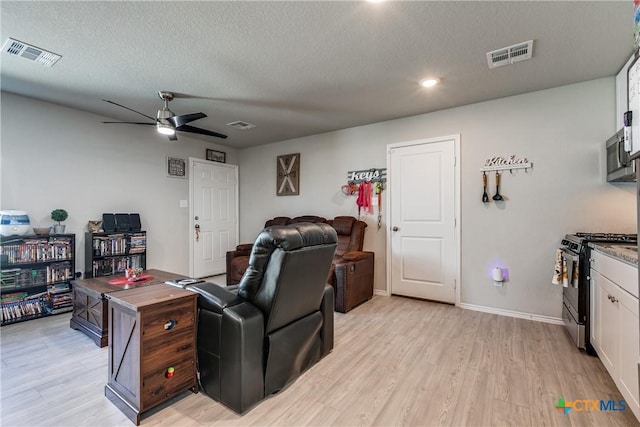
(396, 361)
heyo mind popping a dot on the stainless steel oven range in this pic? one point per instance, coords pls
(575, 298)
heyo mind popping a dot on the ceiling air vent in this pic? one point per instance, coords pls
(510, 55)
(32, 53)
(241, 125)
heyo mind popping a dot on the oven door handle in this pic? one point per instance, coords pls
(570, 255)
(573, 262)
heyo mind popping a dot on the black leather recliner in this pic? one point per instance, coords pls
(255, 338)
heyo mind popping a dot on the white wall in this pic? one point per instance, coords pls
(562, 131)
(56, 157)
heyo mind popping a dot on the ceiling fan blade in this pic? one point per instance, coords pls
(130, 109)
(173, 137)
(185, 118)
(193, 129)
(133, 123)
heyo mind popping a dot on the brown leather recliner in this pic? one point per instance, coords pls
(238, 260)
(351, 273)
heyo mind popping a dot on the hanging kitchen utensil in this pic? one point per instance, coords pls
(378, 192)
(485, 196)
(497, 196)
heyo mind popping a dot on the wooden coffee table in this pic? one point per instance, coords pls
(90, 314)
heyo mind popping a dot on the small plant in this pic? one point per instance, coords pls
(59, 215)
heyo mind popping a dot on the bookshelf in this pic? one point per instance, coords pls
(107, 254)
(35, 272)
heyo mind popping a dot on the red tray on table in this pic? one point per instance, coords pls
(131, 280)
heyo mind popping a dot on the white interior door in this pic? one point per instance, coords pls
(214, 215)
(423, 196)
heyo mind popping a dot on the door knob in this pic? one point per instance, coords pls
(395, 229)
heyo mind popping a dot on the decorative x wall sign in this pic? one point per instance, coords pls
(288, 175)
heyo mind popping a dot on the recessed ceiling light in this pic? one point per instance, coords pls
(375, 1)
(429, 82)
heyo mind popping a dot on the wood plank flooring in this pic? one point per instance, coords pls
(396, 362)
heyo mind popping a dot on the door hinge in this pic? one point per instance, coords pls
(455, 160)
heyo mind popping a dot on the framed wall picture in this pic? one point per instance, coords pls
(216, 156)
(288, 175)
(176, 167)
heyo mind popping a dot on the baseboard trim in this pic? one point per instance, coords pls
(381, 292)
(510, 313)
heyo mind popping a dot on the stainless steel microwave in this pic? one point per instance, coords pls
(619, 167)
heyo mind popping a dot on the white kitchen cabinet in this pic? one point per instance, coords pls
(614, 323)
(607, 322)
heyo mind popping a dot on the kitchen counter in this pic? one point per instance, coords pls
(626, 252)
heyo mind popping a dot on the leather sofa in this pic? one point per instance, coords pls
(255, 338)
(351, 274)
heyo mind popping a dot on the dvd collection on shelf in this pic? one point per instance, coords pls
(111, 266)
(119, 244)
(34, 276)
(19, 278)
(22, 306)
(138, 243)
(111, 253)
(36, 250)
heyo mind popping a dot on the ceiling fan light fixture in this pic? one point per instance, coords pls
(167, 123)
(165, 129)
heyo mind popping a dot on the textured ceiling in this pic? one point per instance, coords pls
(299, 68)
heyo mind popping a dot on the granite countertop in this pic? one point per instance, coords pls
(625, 252)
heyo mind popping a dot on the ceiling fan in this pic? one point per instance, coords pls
(167, 123)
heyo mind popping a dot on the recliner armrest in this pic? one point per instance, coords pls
(213, 297)
(355, 256)
(244, 247)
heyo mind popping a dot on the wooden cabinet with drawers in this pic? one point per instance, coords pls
(152, 347)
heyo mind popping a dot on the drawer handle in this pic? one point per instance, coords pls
(170, 371)
(169, 325)
(612, 298)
